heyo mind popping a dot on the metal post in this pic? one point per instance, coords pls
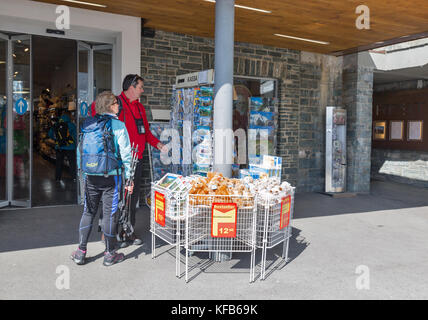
(152, 222)
(223, 93)
(265, 235)
(186, 239)
(9, 145)
(223, 97)
(178, 237)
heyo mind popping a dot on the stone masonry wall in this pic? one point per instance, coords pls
(357, 99)
(307, 83)
(320, 86)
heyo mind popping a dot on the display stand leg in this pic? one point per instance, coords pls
(286, 245)
(187, 265)
(177, 250)
(263, 263)
(252, 266)
(153, 245)
(264, 247)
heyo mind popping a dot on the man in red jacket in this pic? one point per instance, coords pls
(134, 116)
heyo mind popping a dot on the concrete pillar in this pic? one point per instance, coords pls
(223, 93)
(357, 99)
(223, 89)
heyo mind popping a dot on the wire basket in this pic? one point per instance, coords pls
(274, 214)
(220, 223)
(169, 226)
(217, 223)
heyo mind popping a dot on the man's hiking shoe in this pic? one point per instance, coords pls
(123, 244)
(78, 256)
(133, 239)
(112, 258)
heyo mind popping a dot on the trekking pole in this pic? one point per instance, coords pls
(127, 226)
(124, 207)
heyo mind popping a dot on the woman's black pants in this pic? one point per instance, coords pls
(106, 190)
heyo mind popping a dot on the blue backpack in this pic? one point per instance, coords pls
(97, 149)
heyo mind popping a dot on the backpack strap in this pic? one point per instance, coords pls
(81, 150)
(107, 138)
(106, 133)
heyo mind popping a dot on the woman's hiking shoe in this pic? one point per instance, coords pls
(78, 256)
(112, 258)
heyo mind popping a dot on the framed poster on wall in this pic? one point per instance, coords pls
(396, 130)
(379, 130)
(414, 128)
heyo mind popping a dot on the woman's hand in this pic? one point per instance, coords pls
(130, 187)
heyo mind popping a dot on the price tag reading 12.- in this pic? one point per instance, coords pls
(160, 208)
(223, 223)
(285, 212)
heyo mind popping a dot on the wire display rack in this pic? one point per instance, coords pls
(217, 223)
(274, 216)
(167, 219)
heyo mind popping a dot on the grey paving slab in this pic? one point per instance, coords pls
(383, 233)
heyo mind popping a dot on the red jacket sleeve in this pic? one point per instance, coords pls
(150, 138)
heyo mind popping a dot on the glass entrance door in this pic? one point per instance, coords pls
(15, 120)
(102, 62)
(19, 121)
(94, 75)
(84, 96)
(3, 114)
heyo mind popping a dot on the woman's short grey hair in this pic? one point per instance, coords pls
(104, 102)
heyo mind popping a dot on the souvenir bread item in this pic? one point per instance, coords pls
(225, 190)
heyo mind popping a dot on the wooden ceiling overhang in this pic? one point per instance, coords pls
(332, 21)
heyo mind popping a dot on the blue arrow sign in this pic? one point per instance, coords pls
(21, 106)
(84, 109)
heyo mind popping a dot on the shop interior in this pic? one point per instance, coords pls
(261, 113)
(54, 90)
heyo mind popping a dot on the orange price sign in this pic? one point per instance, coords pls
(223, 222)
(285, 212)
(160, 208)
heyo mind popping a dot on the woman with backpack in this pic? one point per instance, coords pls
(103, 150)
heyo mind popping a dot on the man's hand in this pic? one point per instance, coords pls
(163, 148)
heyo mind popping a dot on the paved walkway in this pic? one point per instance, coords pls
(368, 247)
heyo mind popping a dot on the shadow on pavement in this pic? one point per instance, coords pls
(24, 229)
(383, 196)
(202, 262)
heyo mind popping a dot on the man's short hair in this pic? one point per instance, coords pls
(131, 80)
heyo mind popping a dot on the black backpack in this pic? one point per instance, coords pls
(62, 134)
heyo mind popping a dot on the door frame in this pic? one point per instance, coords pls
(5, 202)
(9, 145)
